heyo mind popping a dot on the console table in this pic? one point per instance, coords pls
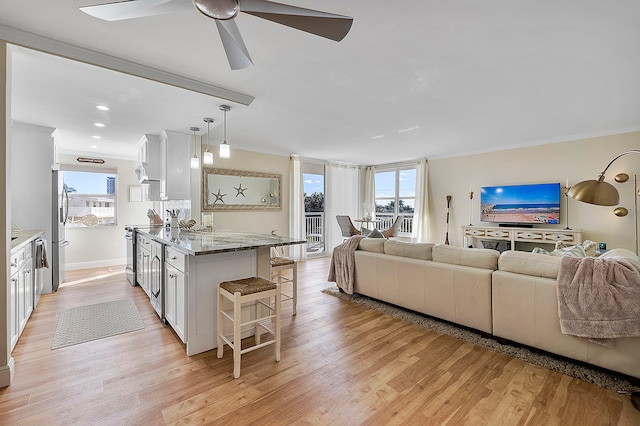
(525, 235)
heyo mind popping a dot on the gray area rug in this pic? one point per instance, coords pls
(92, 322)
(595, 375)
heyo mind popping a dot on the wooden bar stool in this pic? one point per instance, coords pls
(249, 290)
(279, 263)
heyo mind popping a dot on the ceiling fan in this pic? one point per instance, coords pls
(327, 25)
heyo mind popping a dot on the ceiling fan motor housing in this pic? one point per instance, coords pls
(218, 9)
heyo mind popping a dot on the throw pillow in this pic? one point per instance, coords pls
(365, 231)
(375, 234)
(573, 251)
(588, 246)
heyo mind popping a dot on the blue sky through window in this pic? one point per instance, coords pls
(313, 183)
(87, 182)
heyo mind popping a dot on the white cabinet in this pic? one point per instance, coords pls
(175, 281)
(149, 159)
(21, 291)
(524, 235)
(164, 165)
(175, 165)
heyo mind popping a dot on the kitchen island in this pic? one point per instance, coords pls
(181, 271)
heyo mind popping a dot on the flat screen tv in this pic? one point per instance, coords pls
(521, 204)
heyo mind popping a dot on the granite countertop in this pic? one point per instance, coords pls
(21, 238)
(217, 241)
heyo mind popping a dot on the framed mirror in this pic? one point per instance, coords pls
(225, 189)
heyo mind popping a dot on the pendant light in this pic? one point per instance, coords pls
(195, 163)
(207, 157)
(225, 149)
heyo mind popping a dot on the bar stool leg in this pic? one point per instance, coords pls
(294, 284)
(257, 307)
(237, 338)
(220, 325)
(277, 330)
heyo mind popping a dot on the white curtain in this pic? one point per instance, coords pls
(420, 230)
(296, 209)
(368, 191)
(341, 197)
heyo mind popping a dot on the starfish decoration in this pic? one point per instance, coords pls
(240, 190)
(218, 196)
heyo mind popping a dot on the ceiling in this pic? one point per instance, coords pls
(433, 79)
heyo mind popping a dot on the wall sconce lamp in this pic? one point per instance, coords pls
(602, 193)
(207, 157)
(225, 149)
(598, 192)
(195, 162)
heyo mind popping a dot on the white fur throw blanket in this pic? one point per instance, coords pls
(599, 298)
(343, 264)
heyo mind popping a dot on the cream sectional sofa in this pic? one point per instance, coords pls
(525, 310)
(446, 282)
(510, 295)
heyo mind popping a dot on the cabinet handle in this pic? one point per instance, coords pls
(14, 265)
(174, 258)
(15, 280)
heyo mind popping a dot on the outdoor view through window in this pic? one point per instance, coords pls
(92, 198)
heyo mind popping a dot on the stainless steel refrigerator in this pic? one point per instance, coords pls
(59, 220)
(37, 194)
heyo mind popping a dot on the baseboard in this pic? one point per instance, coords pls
(95, 264)
(6, 373)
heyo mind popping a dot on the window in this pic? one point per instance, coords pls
(395, 190)
(314, 205)
(92, 191)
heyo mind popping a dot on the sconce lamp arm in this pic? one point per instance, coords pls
(631, 151)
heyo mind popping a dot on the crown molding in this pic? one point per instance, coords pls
(55, 47)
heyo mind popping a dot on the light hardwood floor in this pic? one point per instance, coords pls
(341, 364)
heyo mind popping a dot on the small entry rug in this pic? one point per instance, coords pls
(591, 374)
(92, 322)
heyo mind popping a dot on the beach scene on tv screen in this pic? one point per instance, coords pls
(538, 203)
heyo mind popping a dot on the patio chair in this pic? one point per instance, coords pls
(393, 230)
(346, 226)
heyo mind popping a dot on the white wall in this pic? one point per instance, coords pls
(105, 245)
(575, 160)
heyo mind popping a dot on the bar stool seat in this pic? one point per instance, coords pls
(249, 290)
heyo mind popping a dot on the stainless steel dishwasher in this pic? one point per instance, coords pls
(128, 235)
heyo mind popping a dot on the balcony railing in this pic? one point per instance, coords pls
(314, 226)
(406, 224)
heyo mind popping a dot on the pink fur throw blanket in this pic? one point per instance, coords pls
(599, 298)
(343, 264)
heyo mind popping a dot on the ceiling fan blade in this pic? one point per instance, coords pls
(234, 47)
(323, 24)
(136, 9)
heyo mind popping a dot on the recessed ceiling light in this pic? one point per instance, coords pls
(377, 137)
(96, 137)
(102, 107)
(409, 129)
(94, 146)
(98, 124)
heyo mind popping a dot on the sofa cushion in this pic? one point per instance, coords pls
(535, 264)
(412, 250)
(475, 257)
(375, 245)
